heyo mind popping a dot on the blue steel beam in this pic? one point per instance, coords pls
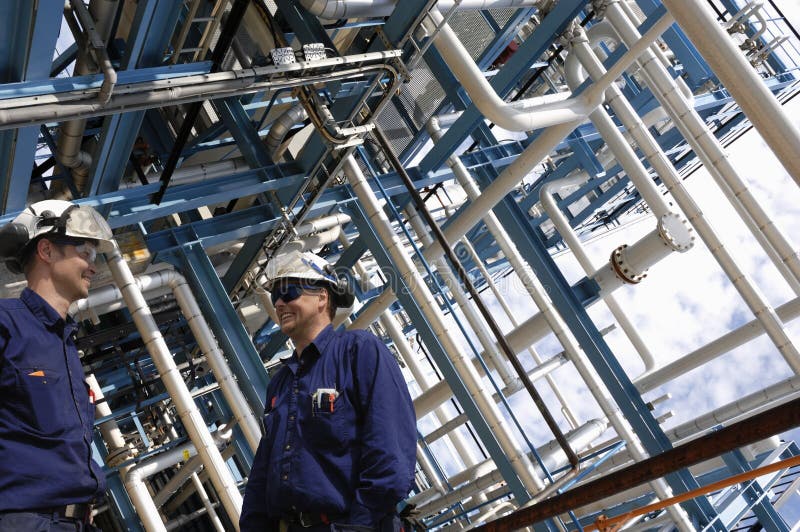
(151, 31)
(443, 362)
(753, 493)
(30, 31)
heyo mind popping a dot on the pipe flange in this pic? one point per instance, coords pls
(574, 33)
(119, 455)
(622, 270)
(675, 232)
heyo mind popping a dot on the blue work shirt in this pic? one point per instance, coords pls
(46, 418)
(351, 459)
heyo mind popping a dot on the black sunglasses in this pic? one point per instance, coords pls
(289, 292)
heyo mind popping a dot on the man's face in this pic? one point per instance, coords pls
(74, 268)
(300, 307)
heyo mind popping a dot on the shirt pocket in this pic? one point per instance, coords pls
(327, 427)
(42, 400)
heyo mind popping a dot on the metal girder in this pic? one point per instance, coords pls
(151, 31)
(29, 39)
(754, 495)
(132, 206)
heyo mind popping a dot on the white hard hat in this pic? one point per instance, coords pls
(308, 267)
(299, 265)
(56, 217)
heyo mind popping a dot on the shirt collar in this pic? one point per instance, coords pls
(313, 350)
(42, 309)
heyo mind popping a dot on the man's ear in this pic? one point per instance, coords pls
(324, 299)
(44, 250)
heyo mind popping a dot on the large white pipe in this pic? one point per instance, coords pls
(513, 118)
(522, 468)
(200, 172)
(281, 127)
(740, 78)
(451, 281)
(187, 410)
(137, 488)
(336, 9)
(202, 333)
(177, 480)
(669, 95)
(578, 249)
(782, 253)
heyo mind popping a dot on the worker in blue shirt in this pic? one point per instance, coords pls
(338, 451)
(48, 479)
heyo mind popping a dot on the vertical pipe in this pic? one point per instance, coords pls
(192, 420)
(740, 78)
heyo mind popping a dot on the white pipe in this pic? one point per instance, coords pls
(665, 90)
(583, 55)
(207, 504)
(576, 246)
(510, 117)
(336, 9)
(433, 314)
(118, 449)
(724, 344)
(70, 135)
(451, 281)
(135, 479)
(183, 519)
(749, 405)
(188, 412)
(745, 85)
(281, 127)
(222, 373)
(202, 333)
(177, 480)
(485, 474)
(199, 172)
(565, 408)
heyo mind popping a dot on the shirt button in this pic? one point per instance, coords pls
(288, 447)
(285, 477)
(294, 391)
(291, 418)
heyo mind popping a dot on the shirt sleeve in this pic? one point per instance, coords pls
(388, 433)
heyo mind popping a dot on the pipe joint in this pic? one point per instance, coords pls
(623, 268)
(674, 230)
